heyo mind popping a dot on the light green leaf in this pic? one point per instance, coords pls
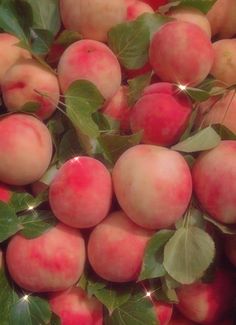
(205, 139)
(136, 87)
(225, 229)
(188, 254)
(153, 258)
(154, 21)
(203, 5)
(30, 107)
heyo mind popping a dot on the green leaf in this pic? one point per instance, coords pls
(188, 254)
(8, 297)
(30, 310)
(137, 310)
(190, 125)
(154, 21)
(68, 37)
(9, 223)
(24, 201)
(114, 145)
(36, 223)
(55, 320)
(225, 229)
(90, 282)
(46, 15)
(168, 292)
(42, 41)
(49, 175)
(69, 146)
(130, 42)
(30, 107)
(10, 21)
(195, 218)
(198, 95)
(224, 132)
(82, 100)
(205, 139)
(203, 5)
(153, 258)
(136, 87)
(114, 296)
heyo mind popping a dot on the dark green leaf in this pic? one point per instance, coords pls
(91, 283)
(69, 146)
(68, 37)
(137, 310)
(188, 254)
(190, 125)
(115, 145)
(24, 201)
(8, 297)
(105, 122)
(113, 296)
(30, 310)
(225, 229)
(82, 100)
(42, 41)
(55, 320)
(36, 223)
(168, 293)
(9, 223)
(224, 132)
(205, 139)
(203, 5)
(154, 21)
(30, 107)
(198, 95)
(130, 42)
(153, 258)
(46, 15)
(136, 87)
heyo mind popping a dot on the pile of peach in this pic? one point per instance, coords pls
(106, 216)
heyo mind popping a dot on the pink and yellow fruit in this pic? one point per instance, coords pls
(116, 248)
(213, 173)
(28, 81)
(136, 8)
(5, 193)
(92, 18)
(92, 61)
(181, 52)
(10, 53)
(162, 113)
(73, 306)
(163, 312)
(26, 149)
(153, 185)
(51, 262)
(81, 192)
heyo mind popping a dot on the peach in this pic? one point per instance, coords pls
(167, 108)
(5, 193)
(224, 67)
(92, 61)
(118, 109)
(53, 261)
(136, 8)
(155, 4)
(163, 312)
(73, 306)
(191, 15)
(92, 18)
(116, 248)
(230, 249)
(214, 181)
(25, 82)
(10, 53)
(218, 110)
(191, 56)
(80, 194)
(26, 149)
(153, 185)
(206, 303)
(133, 73)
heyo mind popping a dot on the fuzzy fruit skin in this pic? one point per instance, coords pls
(26, 149)
(153, 185)
(218, 111)
(92, 18)
(118, 109)
(230, 249)
(155, 4)
(5, 193)
(224, 67)
(92, 61)
(191, 15)
(213, 173)
(168, 109)
(191, 56)
(21, 81)
(163, 312)
(73, 306)
(53, 261)
(116, 248)
(206, 303)
(136, 8)
(80, 194)
(10, 53)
